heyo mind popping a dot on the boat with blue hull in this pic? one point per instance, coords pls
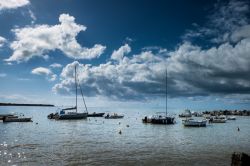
(67, 113)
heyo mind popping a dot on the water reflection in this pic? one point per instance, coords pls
(97, 141)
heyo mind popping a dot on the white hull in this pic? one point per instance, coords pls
(231, 118)
(194, 123)
(219, 119)
(186, 114)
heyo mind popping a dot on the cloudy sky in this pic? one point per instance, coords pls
(123, 50)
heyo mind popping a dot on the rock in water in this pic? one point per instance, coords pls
(240, 159)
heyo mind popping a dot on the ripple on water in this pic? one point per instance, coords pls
(97, 142)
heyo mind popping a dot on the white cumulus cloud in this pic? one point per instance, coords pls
(44, 71)
(118, 54)
(137, 77)
(2, 41)
(13, 4)
(38, 40)
(218, 70)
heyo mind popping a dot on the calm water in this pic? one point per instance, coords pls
(96, 141)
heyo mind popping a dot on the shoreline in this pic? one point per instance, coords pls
(37, 105)
(228, 112)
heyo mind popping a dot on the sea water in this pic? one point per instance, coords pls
(96, 141)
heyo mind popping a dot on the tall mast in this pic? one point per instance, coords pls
(166, 91)
(76, 88)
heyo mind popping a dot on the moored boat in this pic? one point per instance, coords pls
(218, 119)
(194, 123)
(66, 113)
(7, 119)
(231, 118)
(71, 115)
(94, 114)
(197, 114)
(8, 115)
(185, 114)
(14, 118)
(162, 119)
(114, 116)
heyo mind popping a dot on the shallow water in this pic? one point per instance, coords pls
(96, 141)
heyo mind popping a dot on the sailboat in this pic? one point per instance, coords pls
(67, 114)
(160, 117)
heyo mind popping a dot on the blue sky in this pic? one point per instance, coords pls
(122, 50)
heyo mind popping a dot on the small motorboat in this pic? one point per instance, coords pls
(197, 114)
(7, 119)
(94, 114)
(208, 117)
(114, 116)
(218, 119)
(186, 114)
(194, 123)
(231, 118)
(8, 115)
